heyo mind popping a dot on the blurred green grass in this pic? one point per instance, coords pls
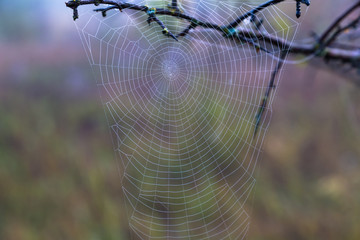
(308, 186)
(56, 156)
(54, 149)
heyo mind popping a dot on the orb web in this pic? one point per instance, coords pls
(181, 114)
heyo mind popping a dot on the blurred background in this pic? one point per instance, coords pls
(56, 151)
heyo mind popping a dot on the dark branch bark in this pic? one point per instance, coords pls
(337, 22)
(323, 47)
(262, 7)
(269, 89)
(344, 53)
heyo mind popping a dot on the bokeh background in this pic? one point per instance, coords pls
(56, 150)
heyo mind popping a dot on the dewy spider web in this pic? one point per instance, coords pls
(182, 114)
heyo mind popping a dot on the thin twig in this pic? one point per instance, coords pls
(152, 12)
(337, 22)
(258, 9)
(323, 47)
(340, 30)
(269, 89)
(325, 51)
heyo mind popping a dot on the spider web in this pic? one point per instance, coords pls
(182, 114)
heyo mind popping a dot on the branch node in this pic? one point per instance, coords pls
(229, 32)
(151, 12)
(97, 2)
(298, 6)
(74, 5)
(167, 33)
(298, 9)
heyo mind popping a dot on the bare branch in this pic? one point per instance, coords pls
(325, 47)
(337, 22)
(262, 7)
(269, 89)
(340, 30)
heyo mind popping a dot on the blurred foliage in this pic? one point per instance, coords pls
(55, 148)
(308, 185)
(59, 179)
